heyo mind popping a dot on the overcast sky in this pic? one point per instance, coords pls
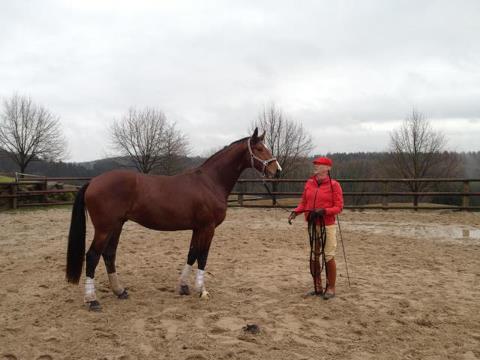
(349, 71)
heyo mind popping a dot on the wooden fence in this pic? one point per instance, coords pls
(465, 194)
(45, 192)
(26, 192)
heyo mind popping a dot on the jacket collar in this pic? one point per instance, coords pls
(323, 181)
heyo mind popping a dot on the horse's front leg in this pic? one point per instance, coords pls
(203, 245)
(199, 248)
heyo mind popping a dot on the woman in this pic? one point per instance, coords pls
(322, 197)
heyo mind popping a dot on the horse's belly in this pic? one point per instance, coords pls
(162, 222)
(165, 227)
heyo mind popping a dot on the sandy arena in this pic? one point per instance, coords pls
(415, 291)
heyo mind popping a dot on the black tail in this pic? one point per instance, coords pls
(76, 238)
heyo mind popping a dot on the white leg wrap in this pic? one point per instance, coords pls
(90, 290)
(185, 274)
(115, 285)
(199, 281)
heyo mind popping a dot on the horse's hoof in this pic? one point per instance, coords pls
(204, 295)
(184, 290)
(94, 306)
(123, 295)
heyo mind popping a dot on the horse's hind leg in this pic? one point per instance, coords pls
(109, 255)
(97, 247)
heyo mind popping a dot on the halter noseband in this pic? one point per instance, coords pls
(254, 157)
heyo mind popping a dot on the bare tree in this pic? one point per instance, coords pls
(418, 151)
(30, 132)
(287, 140)
(148, 139)
(175, 148)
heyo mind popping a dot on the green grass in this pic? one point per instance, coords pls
(6, 179)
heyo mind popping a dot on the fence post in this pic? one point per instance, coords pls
(13, 191)
(241, 186)
(385, 197)
(44, 187)
(466, 198)
(274, 189)
(415, 197)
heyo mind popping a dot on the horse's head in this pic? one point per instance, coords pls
(261, 157)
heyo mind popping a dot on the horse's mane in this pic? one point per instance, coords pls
(221, 151)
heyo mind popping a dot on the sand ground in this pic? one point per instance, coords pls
(414, 294)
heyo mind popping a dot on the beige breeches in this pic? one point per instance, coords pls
(331, 242)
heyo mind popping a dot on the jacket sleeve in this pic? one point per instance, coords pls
(337, 200)
(303, 202)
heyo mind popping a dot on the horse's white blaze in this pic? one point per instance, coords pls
(115, 284)
(89, 290)
(199, 281)
(185, 274)
(278, 166)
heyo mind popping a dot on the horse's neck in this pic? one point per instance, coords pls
(225, 168)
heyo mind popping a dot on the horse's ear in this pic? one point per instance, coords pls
(255, 136)
(262, 137)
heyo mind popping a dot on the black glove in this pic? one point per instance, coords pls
(320, 212)
(292, 216)
(316, 214)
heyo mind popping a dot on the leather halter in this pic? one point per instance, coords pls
(254, 157)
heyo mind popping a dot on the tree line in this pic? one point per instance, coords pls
(144, 139)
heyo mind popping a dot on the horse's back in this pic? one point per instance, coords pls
(173, 202)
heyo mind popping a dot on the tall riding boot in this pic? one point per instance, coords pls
(331, 277)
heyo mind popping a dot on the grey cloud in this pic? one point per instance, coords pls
(212, 65)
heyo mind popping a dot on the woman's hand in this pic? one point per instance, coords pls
(292, 216)
(315, 214)
(320, 212)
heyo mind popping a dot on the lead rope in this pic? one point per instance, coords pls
(317, 246)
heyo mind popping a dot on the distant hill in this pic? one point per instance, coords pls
(81, 169)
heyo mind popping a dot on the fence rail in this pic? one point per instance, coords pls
(465, 194)
(35, 192)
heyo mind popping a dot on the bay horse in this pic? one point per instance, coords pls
(195, 199)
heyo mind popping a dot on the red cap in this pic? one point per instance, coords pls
(323, 161)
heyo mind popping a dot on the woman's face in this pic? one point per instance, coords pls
(321, 171)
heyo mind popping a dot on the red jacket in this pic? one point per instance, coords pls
(319, 196)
